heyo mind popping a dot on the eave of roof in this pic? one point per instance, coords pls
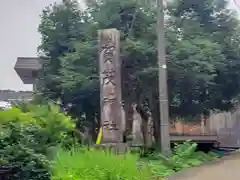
(27, 68)
(31, 63)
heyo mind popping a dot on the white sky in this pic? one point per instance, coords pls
(19, 20)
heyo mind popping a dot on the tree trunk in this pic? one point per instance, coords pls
(128, 110)
(91, 118)
(95, 127)
(144, 125)
(150, 131)
(154, 106)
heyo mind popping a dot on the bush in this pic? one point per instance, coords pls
(183, 156)
(27, 137)
(77, 164)
(20, 149)
(58, 127)
(84, 164)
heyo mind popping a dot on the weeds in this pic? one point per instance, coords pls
(91, 164)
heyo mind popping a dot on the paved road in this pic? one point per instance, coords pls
(226, 168)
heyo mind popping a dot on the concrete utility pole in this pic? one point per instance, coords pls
(162, 78)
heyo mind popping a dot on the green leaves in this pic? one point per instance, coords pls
(85, 163)
(79, 67)
(92, 164)
(199, 57)
(201, 49)
(26, 138)
(60, 27)
(185, 156)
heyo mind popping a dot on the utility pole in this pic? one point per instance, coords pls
(162, 78)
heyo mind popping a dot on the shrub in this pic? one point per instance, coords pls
(77, 164)
(26, 138)
(183, 156)
(58, 127)
(19, 146)
(83, 164)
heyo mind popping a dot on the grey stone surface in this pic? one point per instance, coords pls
(116, 148)
(110, 87)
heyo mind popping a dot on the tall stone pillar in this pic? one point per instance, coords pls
(110, 87)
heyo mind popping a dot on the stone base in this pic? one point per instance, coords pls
(117, 148)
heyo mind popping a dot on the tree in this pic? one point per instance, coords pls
(202, 53)
(60, 26)
(210, 20)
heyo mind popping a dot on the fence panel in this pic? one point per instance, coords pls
(227, 127)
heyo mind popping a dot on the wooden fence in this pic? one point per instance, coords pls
(227, 127)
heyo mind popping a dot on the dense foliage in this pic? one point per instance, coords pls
(99, 165)
(202, 46)
(35, 141)
(90, 164)
(32, 134)
(27, 139)
(202, 50)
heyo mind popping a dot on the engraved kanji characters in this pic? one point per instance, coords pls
(110, 125)
(110, 108)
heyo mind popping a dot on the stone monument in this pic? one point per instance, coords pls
(110, 87)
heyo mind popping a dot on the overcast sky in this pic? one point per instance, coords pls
(19, 37)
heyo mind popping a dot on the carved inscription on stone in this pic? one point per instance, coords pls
(108, 77)
(110, 84)
(110, 125)
(107, 55)
(108, 48)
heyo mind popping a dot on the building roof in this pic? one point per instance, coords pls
(32, 63)
(8, 95)
(27, 68)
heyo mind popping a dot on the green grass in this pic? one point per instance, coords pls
(92, 164)
(84, 164)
